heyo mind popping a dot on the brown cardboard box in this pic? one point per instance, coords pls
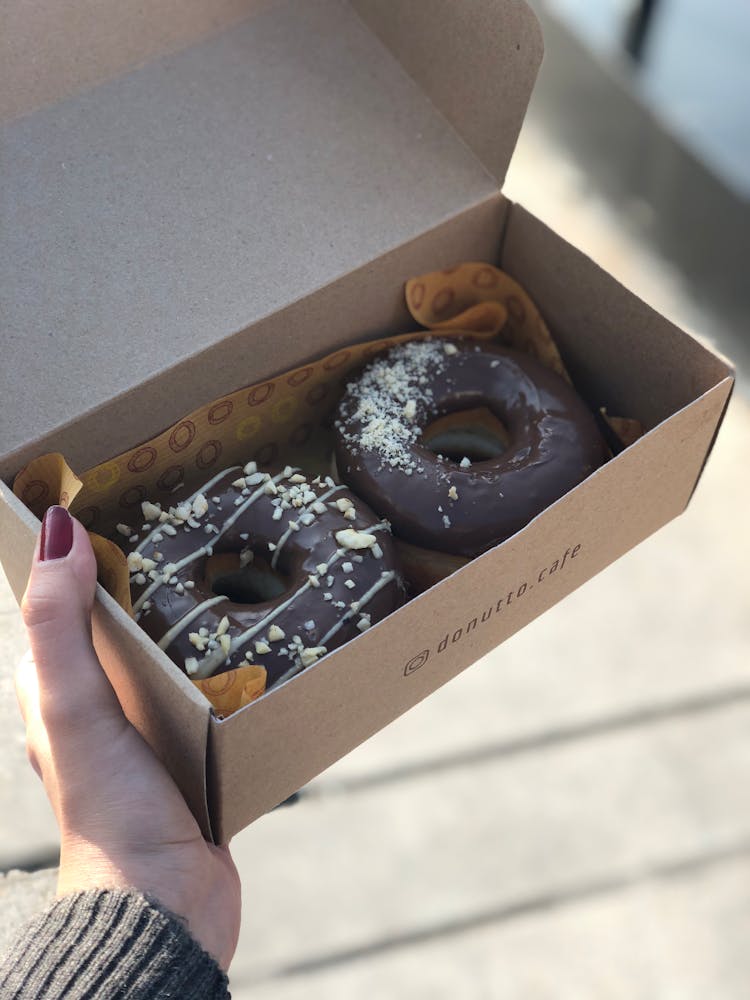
(252, 196)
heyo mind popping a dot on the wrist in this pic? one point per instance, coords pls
(196, 883)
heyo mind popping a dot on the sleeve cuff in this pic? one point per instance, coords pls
(109, 943)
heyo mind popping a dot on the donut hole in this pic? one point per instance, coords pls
(255, 583)
(475, 434)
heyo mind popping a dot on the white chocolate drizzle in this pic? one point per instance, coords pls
(203, 489)
(216, 657)
(203, 550)
(180, 626)
(283, 538)
(384, 580)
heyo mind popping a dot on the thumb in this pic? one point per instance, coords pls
(56, 608)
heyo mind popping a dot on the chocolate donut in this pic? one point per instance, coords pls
(260, 568)
(451, 503)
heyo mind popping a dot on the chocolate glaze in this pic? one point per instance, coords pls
(554, 445)
(308, 615)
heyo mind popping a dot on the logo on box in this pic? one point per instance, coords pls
(514, 595)
(416, 662)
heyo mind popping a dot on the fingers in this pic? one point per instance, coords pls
(27, 691)
(57, 612)
(37, 741)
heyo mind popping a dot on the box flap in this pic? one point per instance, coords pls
(477, 61)
(161, 211)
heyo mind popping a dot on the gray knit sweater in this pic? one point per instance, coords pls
(107, 945)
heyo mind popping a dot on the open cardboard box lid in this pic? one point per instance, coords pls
(154, 211)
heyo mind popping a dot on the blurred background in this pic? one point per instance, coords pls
(570, 818)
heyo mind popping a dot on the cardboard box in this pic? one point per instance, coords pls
(248, 200)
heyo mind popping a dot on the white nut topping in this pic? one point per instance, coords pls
(465, 463)
(262, 647)
(226, 644)
(200, 505)
(321, 568)
(453, 493)
(191, 665)
(135, 562)
(125, 530)
(350, 538)
(343, 503)
(151, 511)
(223, 626)
(450, 348)
(311, 654)
(275, 633)
(410, 410)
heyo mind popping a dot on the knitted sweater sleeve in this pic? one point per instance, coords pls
(108, 944)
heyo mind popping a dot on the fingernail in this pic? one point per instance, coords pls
(57, 534)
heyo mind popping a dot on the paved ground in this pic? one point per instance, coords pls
(568, 819)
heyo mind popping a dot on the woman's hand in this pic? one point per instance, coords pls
(123, 822)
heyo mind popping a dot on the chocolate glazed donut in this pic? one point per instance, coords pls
(257, 568)
(455, 505)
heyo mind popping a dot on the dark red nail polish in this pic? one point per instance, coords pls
(57, 534)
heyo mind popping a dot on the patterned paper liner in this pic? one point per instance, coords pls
(277, 422)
